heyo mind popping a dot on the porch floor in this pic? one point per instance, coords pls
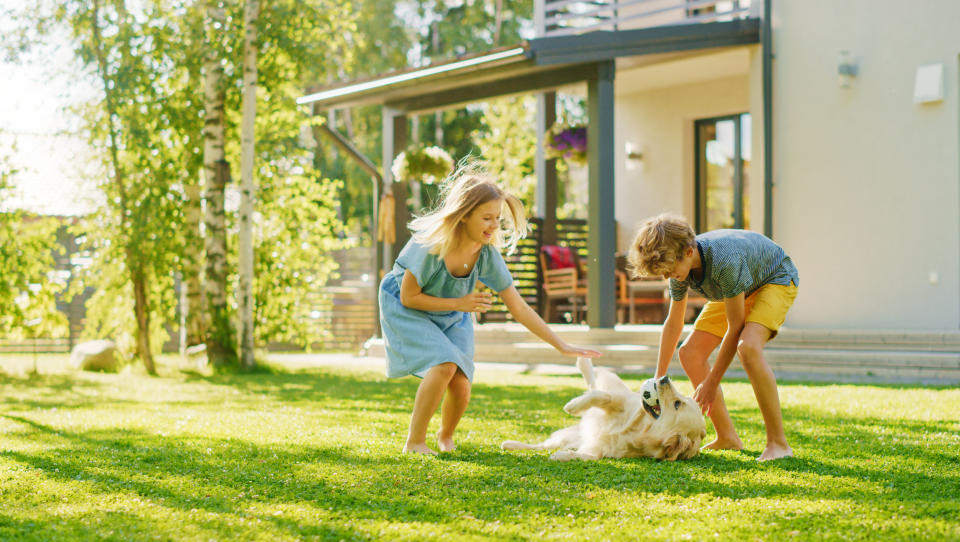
(867, 356)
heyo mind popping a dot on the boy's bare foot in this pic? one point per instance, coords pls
(445, 444)
(724, 444)
(421, 448)
(775, 451)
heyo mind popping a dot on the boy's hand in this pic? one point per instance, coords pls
(476, 302)
(577, 351)
(704, 395)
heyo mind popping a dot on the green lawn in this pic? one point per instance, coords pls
(313, 454)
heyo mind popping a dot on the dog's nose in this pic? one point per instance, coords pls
(664, 380)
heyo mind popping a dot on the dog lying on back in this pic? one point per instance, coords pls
(617, 422)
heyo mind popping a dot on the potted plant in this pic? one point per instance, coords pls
(567, 142)
(427, 165)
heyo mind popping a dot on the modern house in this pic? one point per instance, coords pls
(832, 127)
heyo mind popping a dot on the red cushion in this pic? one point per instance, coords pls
(559, 257)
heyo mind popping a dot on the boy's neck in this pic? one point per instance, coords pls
(697, 262)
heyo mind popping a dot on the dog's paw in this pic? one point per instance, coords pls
(511, 445)
(575, 406)
(585, 365)
(563, 455)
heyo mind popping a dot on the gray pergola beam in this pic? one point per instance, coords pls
(601, 224)
(600, 46)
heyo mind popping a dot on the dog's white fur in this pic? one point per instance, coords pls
(614, 423)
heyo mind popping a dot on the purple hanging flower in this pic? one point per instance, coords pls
(567, 142)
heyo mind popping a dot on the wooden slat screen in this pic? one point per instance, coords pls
(524, 264)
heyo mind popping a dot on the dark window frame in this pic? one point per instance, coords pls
(699, 169)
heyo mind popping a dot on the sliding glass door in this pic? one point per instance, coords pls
(722, 157)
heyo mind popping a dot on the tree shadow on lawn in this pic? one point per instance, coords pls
(183, 474)
(60, 390)
(337, 485)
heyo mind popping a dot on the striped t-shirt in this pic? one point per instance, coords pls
(734, 262)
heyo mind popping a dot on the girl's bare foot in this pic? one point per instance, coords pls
(775, 451)
(445, 444)
(724, 444)
(420, 448)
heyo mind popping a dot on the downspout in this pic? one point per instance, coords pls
(377, 180)
(767, 46)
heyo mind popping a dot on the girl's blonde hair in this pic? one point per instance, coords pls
(659, 244)
(460, 193)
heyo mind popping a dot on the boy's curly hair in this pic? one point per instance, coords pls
(659, 244)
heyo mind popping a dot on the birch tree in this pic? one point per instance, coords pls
(192, 262)
(248, 194)
(219, 339)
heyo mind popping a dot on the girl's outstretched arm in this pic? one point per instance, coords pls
(531, 320)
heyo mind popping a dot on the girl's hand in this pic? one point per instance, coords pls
(577, 351)
(475, 302)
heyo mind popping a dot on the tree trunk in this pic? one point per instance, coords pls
(248, 191)
(219, 340)
(192, 271)
(220, 349)
(141, 307)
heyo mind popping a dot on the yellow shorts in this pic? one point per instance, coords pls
(767, 306)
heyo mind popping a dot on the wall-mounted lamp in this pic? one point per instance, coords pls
(633, 151)
(846, 69)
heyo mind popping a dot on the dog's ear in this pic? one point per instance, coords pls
(678, 446)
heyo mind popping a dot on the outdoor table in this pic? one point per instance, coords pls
(644, 286)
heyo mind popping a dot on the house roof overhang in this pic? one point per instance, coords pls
(535, 65)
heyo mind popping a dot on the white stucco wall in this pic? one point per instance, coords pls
(659, 122)
(867, 196)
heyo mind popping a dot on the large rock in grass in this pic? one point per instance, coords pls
(99, 355)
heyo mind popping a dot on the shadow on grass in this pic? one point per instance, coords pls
(58, 390)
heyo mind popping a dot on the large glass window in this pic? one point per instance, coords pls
(723, 154)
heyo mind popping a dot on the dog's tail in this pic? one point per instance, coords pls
(586, 368)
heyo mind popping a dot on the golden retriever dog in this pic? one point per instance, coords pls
(617, 422)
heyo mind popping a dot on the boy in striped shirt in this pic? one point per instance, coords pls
(750, 283)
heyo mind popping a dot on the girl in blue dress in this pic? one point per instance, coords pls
(426, 299)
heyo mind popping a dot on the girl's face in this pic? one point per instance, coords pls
(483, 222)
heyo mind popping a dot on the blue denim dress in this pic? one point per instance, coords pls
(417, 340)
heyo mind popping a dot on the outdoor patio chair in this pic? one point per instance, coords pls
(562, 281)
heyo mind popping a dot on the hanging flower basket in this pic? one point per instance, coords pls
(567, 142)
(428, 165)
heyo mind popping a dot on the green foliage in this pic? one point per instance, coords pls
(470, 26)
(508, 143)
(314, 454)
(154, 55)
(298, 226)
(29, 283)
